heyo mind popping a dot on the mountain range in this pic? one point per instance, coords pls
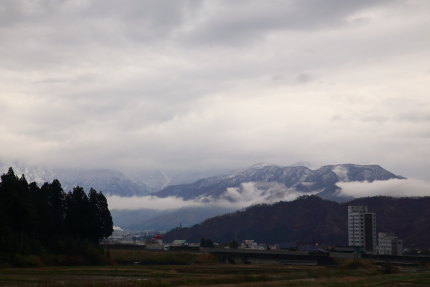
(262, 183)
(258, 184)
(310, 220)
(110, 182)
(300, 179)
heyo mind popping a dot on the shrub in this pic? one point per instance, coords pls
(26, 260)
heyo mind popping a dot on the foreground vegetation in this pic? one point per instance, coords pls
(196, 269)
(47, 226)
(213, 275)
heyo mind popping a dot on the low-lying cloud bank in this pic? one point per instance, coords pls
(392, 187)
(150, 202)
(247, 194)
(251, 193)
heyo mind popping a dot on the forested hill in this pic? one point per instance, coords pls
(36, 220)
(311, 219)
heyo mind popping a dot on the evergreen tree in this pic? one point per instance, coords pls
(206, 242)
(233, 244)
(56, 201)
(77, 214)
(40, 207)
(18, 216)
(101, 217)
(105, 216)
(34, 219)
(51, 203)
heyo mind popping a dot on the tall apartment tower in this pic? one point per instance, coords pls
(362, 228)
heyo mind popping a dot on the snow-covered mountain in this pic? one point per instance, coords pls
(32, 173)
(299, 179)
(110, 182)
(261, 183)
(155, 180)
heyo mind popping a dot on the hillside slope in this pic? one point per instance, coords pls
(314, 220)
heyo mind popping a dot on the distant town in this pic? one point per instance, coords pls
(363, 242)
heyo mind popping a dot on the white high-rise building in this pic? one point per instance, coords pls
(362, 228)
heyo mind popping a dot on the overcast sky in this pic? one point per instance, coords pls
(199, 85)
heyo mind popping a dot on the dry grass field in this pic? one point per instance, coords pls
(159, 269)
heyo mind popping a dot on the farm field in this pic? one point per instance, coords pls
(216, 275)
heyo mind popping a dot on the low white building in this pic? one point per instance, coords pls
(251, 244)
(389, 244)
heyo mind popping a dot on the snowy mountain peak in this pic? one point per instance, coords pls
(261, 165)
(341, 172)
(107, 181)
(298, 178)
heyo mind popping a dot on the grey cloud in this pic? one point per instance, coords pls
(52, 81)
(214, 84)
(241, 21)
(418, 116)
(146, 20)
(152, 21)
(68, 23)
(19, 12)
(305, 78)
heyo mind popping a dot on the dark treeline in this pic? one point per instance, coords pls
(310, 220)
(35, 221)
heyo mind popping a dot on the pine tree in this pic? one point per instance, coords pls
(77, 211)
(33, 219)
(101, 217)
